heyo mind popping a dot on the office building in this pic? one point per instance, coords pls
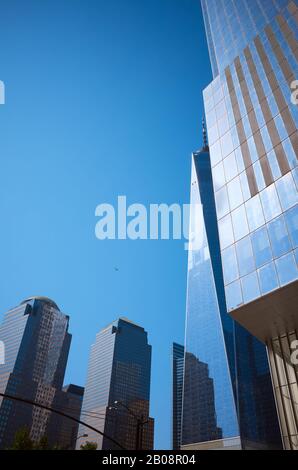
(36, 339)
(117, 393)
(252, 116)
(177, 391)
(228, 400)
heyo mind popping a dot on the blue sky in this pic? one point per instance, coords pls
(103, 98)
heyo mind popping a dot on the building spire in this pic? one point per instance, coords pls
(205, 140)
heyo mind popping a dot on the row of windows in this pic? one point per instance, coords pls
(275, 274)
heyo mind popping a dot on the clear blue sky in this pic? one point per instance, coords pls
(103, 98)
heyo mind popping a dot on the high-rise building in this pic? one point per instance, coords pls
(252, 116)
(117, 393)
(70, 402)
(228, 400)
(177, 391)
(36, 339)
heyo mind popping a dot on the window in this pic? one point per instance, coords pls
(291, 218)
(235, 194)
(230, 167)
(254, 213)
(286, 269)
(226, 144)
(279, 237)
(230, 266)
(270, 203)
(240, 223)
(250, 287)
(222, 202)
(268, 278)
(287, 191)
(245, 256)
(261, 246)
(234, 295)
(226, 232)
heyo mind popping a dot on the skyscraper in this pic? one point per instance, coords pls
(252, 120)
(117, 393)
(177, 390)
(228, 400)
(36, 339)
(70, 401)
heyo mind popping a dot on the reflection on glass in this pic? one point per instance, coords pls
(240, 223)
(234, 295)
(270, 203)
(226, 232)
(245, 256)
(230, 266)
(291, 218)
(261, 246)
(268, 278)
(286, 269)
(279, 238)
(287, 191)
(222, 202)
(250, 287)
(254, 213)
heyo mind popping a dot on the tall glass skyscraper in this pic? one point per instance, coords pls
(118, 388)
(228, 400)
(36, 339)
(177, 390)
(252, 127)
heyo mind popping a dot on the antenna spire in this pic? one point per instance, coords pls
(205, 140)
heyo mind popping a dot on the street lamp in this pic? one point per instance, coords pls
(139, 419)
(79, 437)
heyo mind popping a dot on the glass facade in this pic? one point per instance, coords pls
(252, 120)
(228, 399)
(177, 385)
(118, 371)
(231, 24)
(37, 344)
(254, 156)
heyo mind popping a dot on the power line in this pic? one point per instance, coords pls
(61, 413)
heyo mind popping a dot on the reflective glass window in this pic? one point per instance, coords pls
(279, 238)
(254, 212)
(230, 166)
(245, 187)
(275, 170)
(250, 287)
(240, 223)
(218, 176)
(268, 278)
(226, 144)
(226, 232)
(230, 266)
(286, 269)
(290, 154)
(261, 246)
(287, 191)
(215, 154)
(222, 202)
(291, 218)
(235, 193)
(234, 295)
(245, 256)
(239, 160)
(270, 202)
